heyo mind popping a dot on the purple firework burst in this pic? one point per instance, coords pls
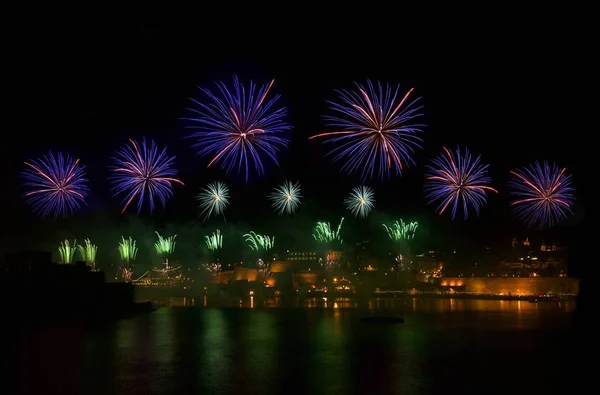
(457, 180)
(144, 173)
(237, 127)
(56, 185)
(378, 132)
(543, 194)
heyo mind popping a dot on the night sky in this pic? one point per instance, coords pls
(495, 81)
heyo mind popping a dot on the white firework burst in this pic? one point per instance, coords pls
(213, 199)
(361, 201)
(286, 198)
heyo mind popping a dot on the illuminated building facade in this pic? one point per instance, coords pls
(301, 256)
(533, 259)
(513, 286)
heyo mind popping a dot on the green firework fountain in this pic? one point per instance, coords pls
(401, 234)
(401, 230)
(258, 242)
(88, 253)
(214, 242)
(323, 233)
(66, 251)
(327, 236)
(128, 250)
(165, 246)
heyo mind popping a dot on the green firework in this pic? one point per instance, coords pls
(66, 250)
(88, 252)
(401, 230)
(325, 234)
(258, 242)
(127, 249)
(214, 242)
(165, 246)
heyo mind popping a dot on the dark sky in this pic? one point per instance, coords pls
(495, 80)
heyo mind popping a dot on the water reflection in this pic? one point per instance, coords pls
(408, 304)
(330, 354)
(261, 344)
(215, 349)
(305, 350)
(440, 305)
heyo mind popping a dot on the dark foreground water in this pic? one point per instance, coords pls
(445, 347)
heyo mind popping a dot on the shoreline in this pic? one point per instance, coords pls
(227, 299)
(540, 298)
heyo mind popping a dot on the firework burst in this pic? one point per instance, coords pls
(361, 201)
(213, 199)
(286, 198)
(56, 185)
(543, 194)
(238, 127)
(457, 180)
(212, 268)
(263, 268)
(142, 172)
(325, 234)
(378, 132)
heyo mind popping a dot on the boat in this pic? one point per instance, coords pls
(543, 298)
(382, 319)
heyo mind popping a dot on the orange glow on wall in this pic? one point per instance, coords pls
(280, 266)
(304, 278)
(452, 282)
(241, 273)
(224, 277)
(518, 286)
(270, 282)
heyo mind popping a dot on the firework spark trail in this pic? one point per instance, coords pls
(286, 198)
(238, 127)
(543, 194)
(142, 172)
(56, 185)
(457, 180)
(378, 131)
(361, 201)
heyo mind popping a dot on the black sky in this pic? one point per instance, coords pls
(495, 80)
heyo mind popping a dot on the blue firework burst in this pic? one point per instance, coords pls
(543, 194)
(141, 172)
(457, 180)
(238, 127)
(56, 185)
(378, 132)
